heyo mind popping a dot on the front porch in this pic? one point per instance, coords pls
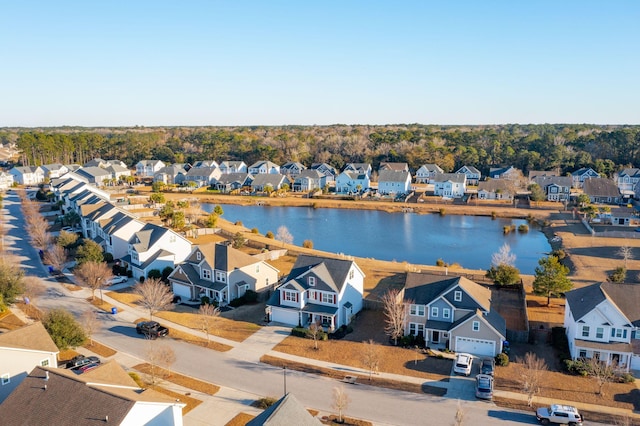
(617, 354)
(319, 314)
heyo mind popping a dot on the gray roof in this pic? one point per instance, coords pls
(242, 178)
(453, 177)
(546, 180)
(626, 297)
(332, 272)
(32, 337)
(264, 179)
(494, 185)
(533, 174)
(470, 169)
(583, 170)
(631, 172)
(398, 167)
(145, 238)
(433, 168)
(601, 188)
(93, 172)
(393, 176)
(285, 412)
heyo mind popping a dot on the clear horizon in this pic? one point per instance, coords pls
(285, 63)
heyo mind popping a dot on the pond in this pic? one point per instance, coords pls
(468, 241)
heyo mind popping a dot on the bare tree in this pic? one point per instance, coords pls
(340, 401)
(208, 316)
(395, 312)
(284, 236)
(90, 324)
(159, 356)
(33, 288)
(155, 295)
(601, 372)
(371, 357)
(315, 331)
(532, 369)
(56, 256)
(38, 231)
(625, 253)
(459, 417)
(93, 275)
(503, 256)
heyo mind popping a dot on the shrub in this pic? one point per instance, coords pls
(618, 275)
(504, 274)
(204, 300)
(502, 359)
(560, 254)
(254, 231)
(523, 228)
(579, 367)
(238, 223)
(136, 378)
(626, 378)
(108, 257)
(269, 234)
(494, 215)
(307, 244)
(442, 212)
(440, 262)
(265, 402)
(299, 332)
(154, 273)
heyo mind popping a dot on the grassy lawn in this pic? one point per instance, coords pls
(180, 380)
(100, 349)
(194, 340)
(101, 304)
(237, 331)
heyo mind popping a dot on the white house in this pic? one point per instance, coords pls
(264, 181)
(450, 185)
(203, 176)
(6, 180)
(602, 321)
(292, 168)
(426, 172)
(473, 175)
(116, 231)
(318, 290)
(349, 182)
(264, 167)
(147, 168)
(495, 189)
(20, 351)
(95, 175)
(231, 181)
(227, 167)
(396, 167)
(221, 273)
(308, 180)
(359, 168)
(53, 171)
(327, 170)
(394, 182)
(27, 175)
(627, 181)
(170, 175)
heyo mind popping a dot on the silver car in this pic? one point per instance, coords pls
(484, 386)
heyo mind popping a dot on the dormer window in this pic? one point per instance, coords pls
(198, 255)
(312, 281)
(457, 296)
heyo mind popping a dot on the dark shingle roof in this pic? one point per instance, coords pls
(332, 271)
(626, 297)
(601, 188)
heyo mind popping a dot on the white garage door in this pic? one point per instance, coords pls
(182, 290)
(285, 316)
(475, 346)
(635, 361)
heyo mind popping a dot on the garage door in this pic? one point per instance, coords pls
(475, 346)
(635, 361)
(285, 316)
(183, 291)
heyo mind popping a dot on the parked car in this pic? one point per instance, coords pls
(487, 366)
(463, 364)
(81, 361)
(86, 368)
(67, 229)
(560, 414)
(151, 329)
(484, 386)
(117, 280)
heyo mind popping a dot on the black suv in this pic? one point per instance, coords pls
(81, 361)
(151, 329)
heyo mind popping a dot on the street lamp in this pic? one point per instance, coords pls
(284, 372)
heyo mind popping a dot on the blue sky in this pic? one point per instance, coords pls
(235, 62)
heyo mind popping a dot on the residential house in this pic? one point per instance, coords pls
(227, 167)
(21, 350)
(450, 185)
(148, 168)
(263, 182)
(221, 273)
(537, 174)
(508, 173)
(327, 170)
(292, 169)
(473, 175)
(96, 162)
(155, 247)
(625, 216)
(92, 214)
(27, 175)
(627, 181)
(97, 176)
(264, 167)
(231, 181)
(171, 175)
(557, 188)
(359, 168)
(495, 189)
(116, 232)
(602, 321)
(309, 180)
(206, 163)
(52, 171)
(396, 167)
(453, 313)
(426, 172)
(202, 176)
(6, 180)
(583, 174)
(602, 190)
(318, 290)
(350, 182)
(104, 395)
(285, 411)
(118, 172)
(394, 182)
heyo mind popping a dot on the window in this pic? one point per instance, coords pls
(327, 298)
(585, 331)
(457, 296)
(582, 354)
(446, 312)
(417, 310)
(434, 312)
(206, 274)
(198, 256)
(599, 333)
(596, 355)
(44, 363)
(475, 326)
(416, 329)
(6, 379)
(290, 296)
(221, 276)
(312, 281)
(325, 320)
(619, 333)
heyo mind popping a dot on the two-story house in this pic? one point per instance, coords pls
(155, 247)
(6, 180)
(231, 181)
(582, 174)
(273, 182)
(454, 313)
(627, 181)
(221, 273)
(394, 182)
(318, 290)
(327, 170)
(292, 168)
(308, 180)
(473, 175)
(602, 190)
(147, 168)
(27, 175)
(206, 163)
(202, 176)
(53, 171)
(359, 168)
(495, 189)
(227, 167)
(349, 182)
(264, 167)
(396, 167)
(557, 188)
(602, 321)
(450, 185)
(170, 175)
(116, 232)
(426, 172)
(20, 351)
(95, 175)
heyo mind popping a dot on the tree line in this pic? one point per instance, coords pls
(565, 147)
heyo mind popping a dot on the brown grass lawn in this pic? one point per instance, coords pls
(540, 313)
(237, 331)
(180, 380)
(194, 340)
(101, 304)
(9, 321)
(240, 419)
(100, 349)
(126, 298)
(66, 355)
(392, 359)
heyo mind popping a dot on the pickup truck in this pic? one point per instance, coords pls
(560, 414)
(151, 329)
